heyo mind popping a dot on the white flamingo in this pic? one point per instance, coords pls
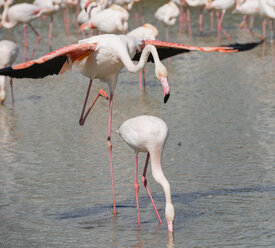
(148, 134)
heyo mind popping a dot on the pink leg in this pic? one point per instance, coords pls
(109, 145)
(264, 28)
(37, 42)
(180, 21)
(221, 29)
(167, 33)
(200, 20)
(143, 74)
(137, 187)
(50, 32)
(142, 12)
(137, 18)
(189, 24)
(212, 20)
(84, 115)
(140, 80)
(12, 96)
(143, 178)
(271, 39)
(66, 20)
(26, 42)
(75, 25)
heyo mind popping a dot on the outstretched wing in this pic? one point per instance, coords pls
(169, 49)
(55, 62)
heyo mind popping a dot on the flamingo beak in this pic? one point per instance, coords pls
(170, 226)
(86, 25)
(165, 86)
(87, 3)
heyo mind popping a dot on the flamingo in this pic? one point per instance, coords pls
(222, 5)
(168, 14)
(102, 57)
(9, 52)
(52, 7)
(22, 13)
(144, 32)
(148, 134)
(196, 4)
(112, 20)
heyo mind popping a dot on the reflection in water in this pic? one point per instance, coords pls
(170, 240)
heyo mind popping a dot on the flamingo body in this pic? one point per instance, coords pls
(168, 13)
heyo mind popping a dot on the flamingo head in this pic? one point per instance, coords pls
(86, 26)
(161, 73)
(170, 216)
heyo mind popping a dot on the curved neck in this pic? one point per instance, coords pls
(128, 63)
(5, 20)
(156, 159)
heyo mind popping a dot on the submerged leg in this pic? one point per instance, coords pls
(144, 181)
(109, 146)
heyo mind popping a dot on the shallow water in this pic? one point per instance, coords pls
(55, 188)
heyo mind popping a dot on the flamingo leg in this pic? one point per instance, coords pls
(220, 28)
(144, 181)
(83, 116)
(26, 42)
(271, 39)
(109, 146)
(264, 28)
(142, 79)
(37, 42)
(66, 20)
(50, 32)
(143, 74)
(167, 33)
(189, 23)
(137, 187)
(12, 96)
(201, 20)
(180, 21)
(212, 20)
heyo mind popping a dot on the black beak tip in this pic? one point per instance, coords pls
(166, 97)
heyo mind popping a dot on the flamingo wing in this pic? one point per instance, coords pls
(55, 62)
(169, 49)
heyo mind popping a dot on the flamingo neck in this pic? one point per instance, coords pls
(128, 63)
(156, 160)
(158, 175)
(5, 20)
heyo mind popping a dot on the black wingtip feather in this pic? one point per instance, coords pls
(244, 46)
(47, 68)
